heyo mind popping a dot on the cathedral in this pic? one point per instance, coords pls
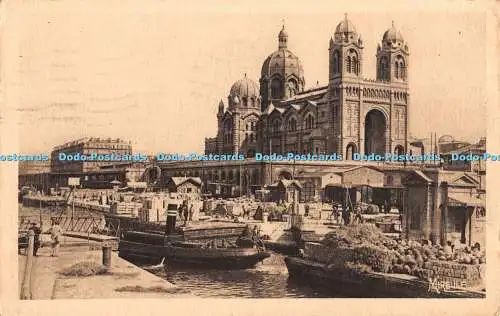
(351, 114)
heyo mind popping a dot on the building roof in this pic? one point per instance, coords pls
(464, 199)
(180, 180)
(315, 93)
(478, 147)
(422, 175)
(358, 167)
(287, 183)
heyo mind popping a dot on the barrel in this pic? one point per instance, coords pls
(106, 256)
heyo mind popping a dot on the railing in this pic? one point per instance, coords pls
(88, 225)
(26, 285)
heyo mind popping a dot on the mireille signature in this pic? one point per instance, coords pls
(440, 286)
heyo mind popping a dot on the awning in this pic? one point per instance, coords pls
(464, 199)
(334, 185)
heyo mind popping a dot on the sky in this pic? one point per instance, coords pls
(155, 75)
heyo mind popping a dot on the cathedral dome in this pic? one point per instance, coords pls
(245, 87)
(282, 62)
(392, 35)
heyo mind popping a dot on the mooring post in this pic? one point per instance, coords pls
(26, 285)
(106, 255)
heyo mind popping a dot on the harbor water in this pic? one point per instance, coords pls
(268, 279)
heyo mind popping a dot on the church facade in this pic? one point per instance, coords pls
(351, 114)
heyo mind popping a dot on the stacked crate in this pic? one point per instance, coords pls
(153, 210)
(130, 209)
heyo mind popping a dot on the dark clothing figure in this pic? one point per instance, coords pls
(346, 216)
(357, 215)
(258, 213)
(36, 243)
(185, 212)
(335, 212)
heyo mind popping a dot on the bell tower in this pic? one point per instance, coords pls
(392, 57)
(346, 52)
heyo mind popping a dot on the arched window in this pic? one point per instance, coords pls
(351, 149)
(336, 62)
(276, 89)
(292, 125)
(251, 138)
(348, 64)
(383, 68)
(292, 87)
(400, 68)
(309, 121)
(276, 125)
(352, 62)
(354, 66)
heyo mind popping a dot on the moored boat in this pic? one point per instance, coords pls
(223, 250)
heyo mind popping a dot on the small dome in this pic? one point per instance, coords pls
(392, 35)
(245, 88)
(346, 32)
(283, 33)
(345, 26)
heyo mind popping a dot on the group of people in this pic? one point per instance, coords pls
(352, 214)
(186, 212)
(55, 235)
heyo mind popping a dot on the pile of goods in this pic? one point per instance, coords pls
(367, 247)
(369, 208)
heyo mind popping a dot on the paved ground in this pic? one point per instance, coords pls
(123, 280)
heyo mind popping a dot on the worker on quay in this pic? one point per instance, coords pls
(191, 212)
(335, 212)
(346, 215)
(185, 212)
(357, 214)
(37, 231)
(55, 234)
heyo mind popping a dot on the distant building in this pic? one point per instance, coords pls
(452, 163)
(184, 185)
(87, 146)
(32, 166)
(34, 174)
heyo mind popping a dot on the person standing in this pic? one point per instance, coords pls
(335, 212)
(185, 210)
(36, 244)
(191, 212)
(357, 214)
(55, 234)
